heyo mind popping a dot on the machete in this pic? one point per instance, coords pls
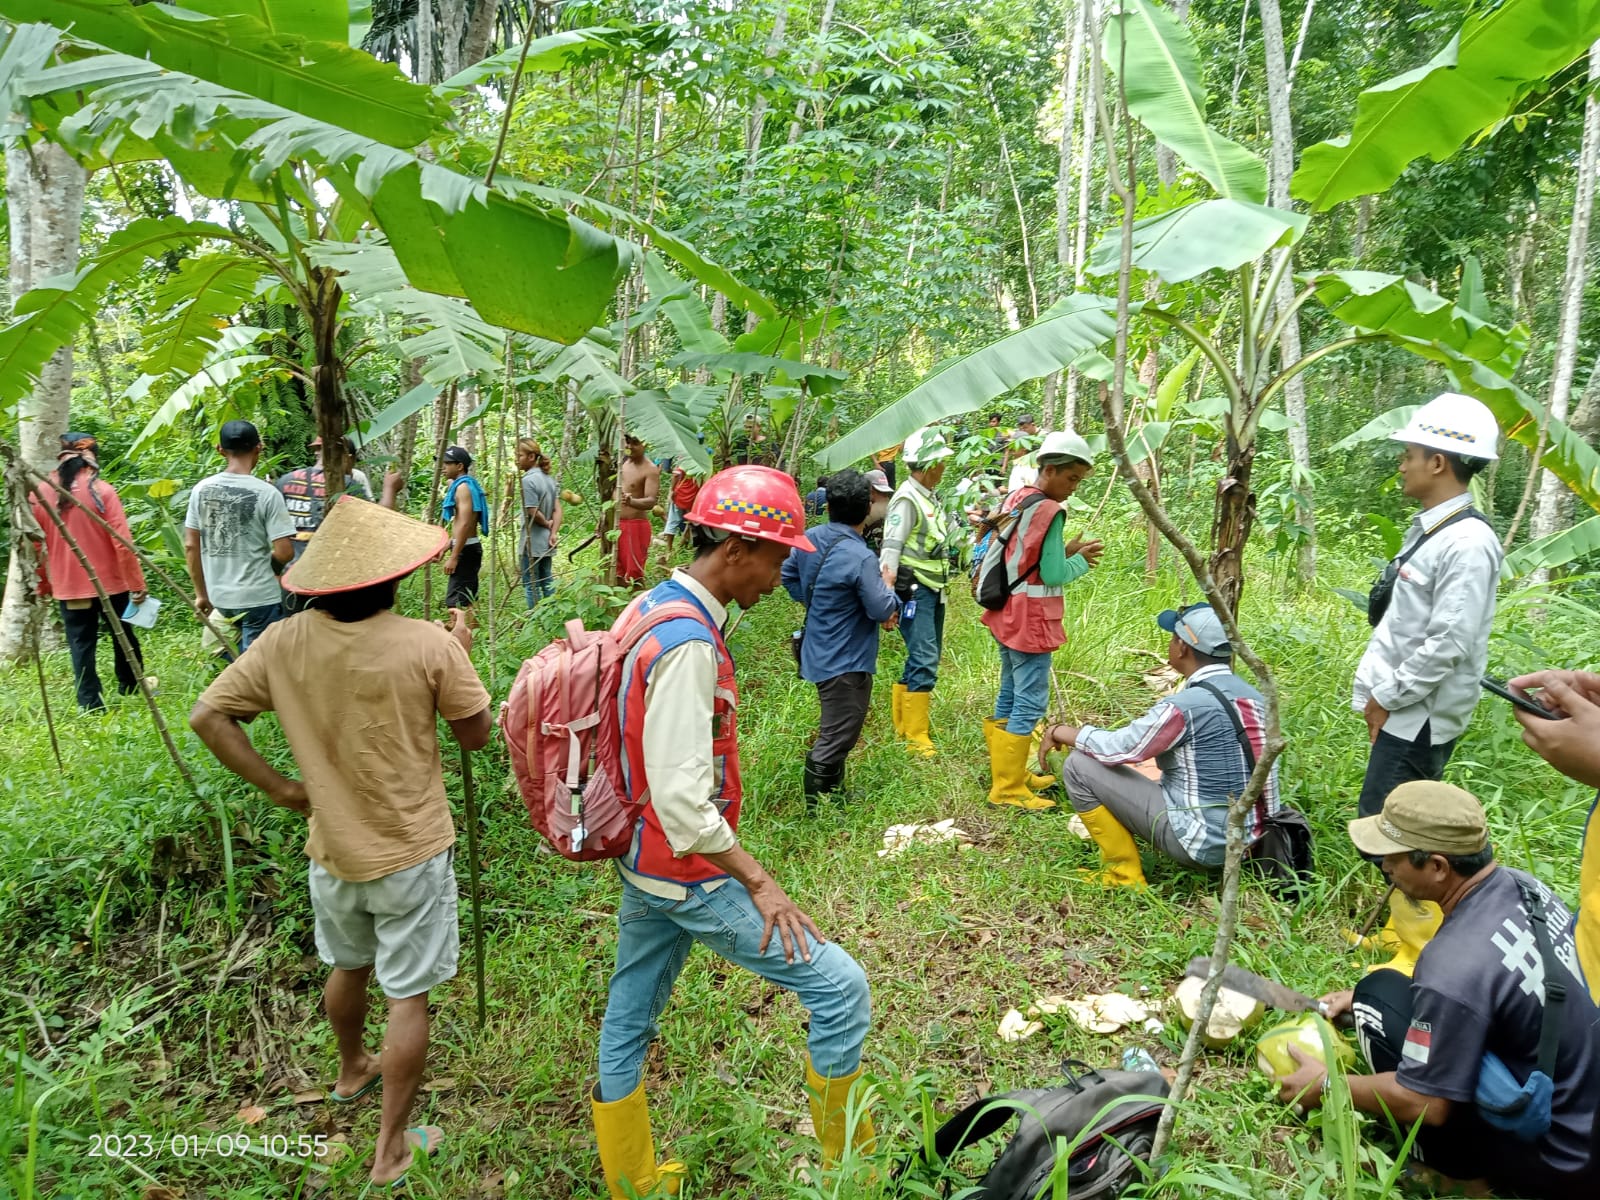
(1270, 993)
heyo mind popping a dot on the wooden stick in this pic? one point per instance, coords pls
(44, 696)
(470, 796)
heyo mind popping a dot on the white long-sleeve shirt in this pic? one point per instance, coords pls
(679, 704)
(1428, 653)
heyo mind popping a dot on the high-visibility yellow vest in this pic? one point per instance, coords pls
(926, 554)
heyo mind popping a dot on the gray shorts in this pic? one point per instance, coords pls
(675, 515)
(402, 924)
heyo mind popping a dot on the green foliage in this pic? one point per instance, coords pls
(1158, 66)
(322, 79)
(1069, 328)
(1471, 84)
(1394, 305)
(196, 302)
(1209, 235)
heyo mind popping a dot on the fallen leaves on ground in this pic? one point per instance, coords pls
(252, 1114)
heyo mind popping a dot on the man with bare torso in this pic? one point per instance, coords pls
(638, 487)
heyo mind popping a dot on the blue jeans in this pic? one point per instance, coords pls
(653, 940)
(538, 578)
(924, 638)
(1024, 689)
(253, 622)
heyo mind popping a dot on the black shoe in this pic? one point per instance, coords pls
(821, 779)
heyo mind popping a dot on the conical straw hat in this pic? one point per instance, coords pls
(359, 544)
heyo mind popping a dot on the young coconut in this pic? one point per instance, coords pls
(1305, 1032)
(1233, 1014)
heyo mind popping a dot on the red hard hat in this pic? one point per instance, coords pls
(755, 502)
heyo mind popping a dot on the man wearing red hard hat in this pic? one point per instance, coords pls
(686, 878)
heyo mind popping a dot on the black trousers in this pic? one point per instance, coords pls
(1394, 761)
(463, 589)
(1466, 1146)
(844, 700)
(82, 626)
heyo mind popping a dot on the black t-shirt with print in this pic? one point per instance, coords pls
(1479, 988)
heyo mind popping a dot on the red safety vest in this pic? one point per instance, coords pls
(1031, 620)
(651, 855)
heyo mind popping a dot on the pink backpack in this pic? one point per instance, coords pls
(561, 725)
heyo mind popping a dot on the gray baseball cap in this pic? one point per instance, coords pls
(878, 481)
(1198, 626)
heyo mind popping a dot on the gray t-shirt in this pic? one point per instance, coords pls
(538, 492)
(238, 518)
(1479, 988)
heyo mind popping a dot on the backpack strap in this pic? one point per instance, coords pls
(1461, 514)
(1234, 719)
(1555, 991)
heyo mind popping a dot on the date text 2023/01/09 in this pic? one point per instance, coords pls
(207, 1143)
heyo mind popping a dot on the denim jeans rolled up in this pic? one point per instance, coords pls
(538, 578)
(923, 633)
(654, 936)
(1024, 689)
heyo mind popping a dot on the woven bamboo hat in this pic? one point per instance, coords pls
(359, 544)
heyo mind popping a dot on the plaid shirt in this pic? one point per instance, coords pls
(1202, 764)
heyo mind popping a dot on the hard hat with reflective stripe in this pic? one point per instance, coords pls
(754, 502)
(1063, 445)
(1453, 423)
(926, 445)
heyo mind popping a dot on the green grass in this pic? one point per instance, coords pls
(111, 880)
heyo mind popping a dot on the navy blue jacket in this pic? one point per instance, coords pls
(849, 602)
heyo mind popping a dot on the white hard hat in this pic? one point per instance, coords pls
(1065, 444)
(1453, 423)
(926, 445)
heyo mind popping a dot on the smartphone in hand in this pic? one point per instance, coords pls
(1498, 687)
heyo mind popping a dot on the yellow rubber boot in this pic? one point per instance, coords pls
(1037, 782)
(1008, 766)
(627, 1150)
(914, 712)
(1117, 848)
(1413, 923)
(829, 1099)
(897, 709)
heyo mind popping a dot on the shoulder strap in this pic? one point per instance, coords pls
(812, 590)
(1233, 719)
(1465, 514)
(1555, 991)
(672, 610)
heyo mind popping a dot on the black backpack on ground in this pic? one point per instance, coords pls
(1108, 1118)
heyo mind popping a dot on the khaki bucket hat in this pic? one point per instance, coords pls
(359, 544)
(1437, 818)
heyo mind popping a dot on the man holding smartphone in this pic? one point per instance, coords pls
(1417, 683)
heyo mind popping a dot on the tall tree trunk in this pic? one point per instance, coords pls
(1064, 166)
(816, 70)
(1294, 392)
(1080, 244)
(44, 193)
(1166, 160)
(479, 36)
(1232, 520)
(1553, 494)
(327, 379)
(426, 68)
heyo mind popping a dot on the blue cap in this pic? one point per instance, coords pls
(1199, 627)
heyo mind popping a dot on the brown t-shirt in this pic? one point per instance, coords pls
(357, 704)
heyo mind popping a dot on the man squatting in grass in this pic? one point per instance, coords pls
(1198, 747)
(846, 603)
(1417, 683)
(916, 563)
(1038, 563)
(686, 878)
(1479, 987)
(356, 688)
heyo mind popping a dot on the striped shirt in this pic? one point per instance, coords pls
(1202, 764)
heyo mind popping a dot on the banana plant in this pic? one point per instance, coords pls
(1157, 69)
(267, 106)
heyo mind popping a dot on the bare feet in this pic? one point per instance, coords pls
(386, 1168)
(355, 1078)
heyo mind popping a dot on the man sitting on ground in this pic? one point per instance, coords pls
(1197, 737)
(1480, 986)
(379, 831)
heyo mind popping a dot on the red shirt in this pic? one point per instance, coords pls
(118, 567)
(684, 489)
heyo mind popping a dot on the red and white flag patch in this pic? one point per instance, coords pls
(1419, 1042)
